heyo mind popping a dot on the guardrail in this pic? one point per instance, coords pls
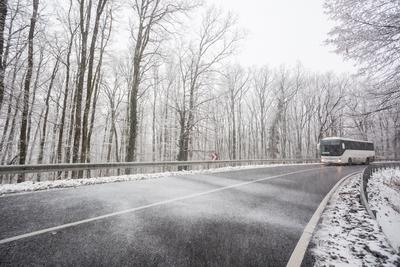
(364, 181)
(43, 168)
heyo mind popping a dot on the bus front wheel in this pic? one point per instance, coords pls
(350, 161)
(367, 161)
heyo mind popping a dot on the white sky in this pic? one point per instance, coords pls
(284, 32)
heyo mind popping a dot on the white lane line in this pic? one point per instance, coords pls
(63, 226)
(299, 251)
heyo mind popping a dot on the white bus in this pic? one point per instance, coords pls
(346, 151)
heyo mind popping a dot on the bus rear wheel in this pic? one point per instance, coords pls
(367, 161)
(350, 161)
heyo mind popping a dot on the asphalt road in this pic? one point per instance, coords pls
(240, 218)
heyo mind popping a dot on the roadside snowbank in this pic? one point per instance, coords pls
(384, 198)
(45, 185)
(347, 235)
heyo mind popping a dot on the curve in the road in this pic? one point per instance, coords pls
(241, 218)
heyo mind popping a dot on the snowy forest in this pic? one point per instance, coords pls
(157, 80)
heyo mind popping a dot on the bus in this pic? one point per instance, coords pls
(337, 150)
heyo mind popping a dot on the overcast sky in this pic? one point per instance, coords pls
(284, 32)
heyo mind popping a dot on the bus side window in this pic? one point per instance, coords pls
(371, 146)
(347, 144)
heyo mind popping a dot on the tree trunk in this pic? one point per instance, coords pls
(35, 136)
(71, 128)
(153, 122)
(7, 123)
(11, 134)
(46, 114)
(90, 82)
(3, 16)
(110, 139)
(142, 39)
(182, 155)
(133, 120)
(34, 90)
(92, 117)
(23, 138)
(233, 127)
(64, 105)
(81, 77)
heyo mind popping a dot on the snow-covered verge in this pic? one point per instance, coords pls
(347, 235)
(384, 198)
(45, 185)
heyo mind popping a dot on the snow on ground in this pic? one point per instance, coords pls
(45, 185)
(347, 235)
(384, 198)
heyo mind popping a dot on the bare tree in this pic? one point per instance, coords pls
(153, 17)
(328, 101)
(114, 97)
(90, 80)
(235, 81)
(3, 16)
(301, 108)
(285, 92)
(367, 31)
(67, 64)
(46, 113)
(84, 24)
(217, 39)
(262, 90)
(23, 138)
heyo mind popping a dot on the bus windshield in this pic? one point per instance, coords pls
(331, 148)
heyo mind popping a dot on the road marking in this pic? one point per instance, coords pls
(299, 251)
(67, 225)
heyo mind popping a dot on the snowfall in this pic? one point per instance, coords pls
(30, 186)
(348, 236)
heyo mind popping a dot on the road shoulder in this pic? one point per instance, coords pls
(347, 235)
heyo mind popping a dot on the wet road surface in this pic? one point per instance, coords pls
(249, 217)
